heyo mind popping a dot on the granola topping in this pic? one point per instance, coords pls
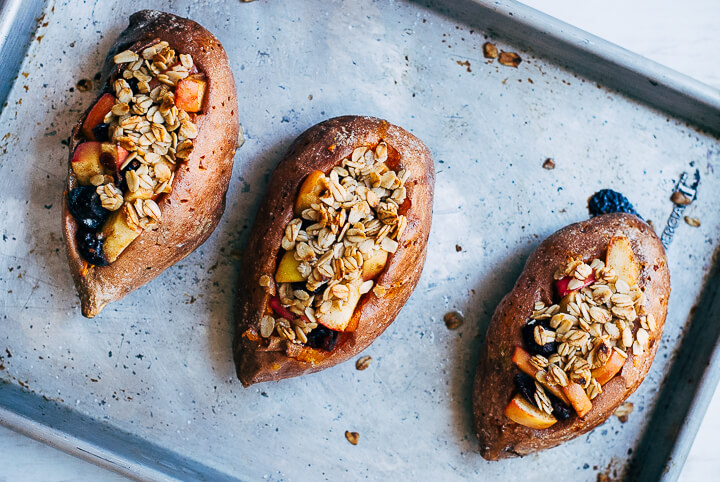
(335, 241)
(598, 317)
(144, 127)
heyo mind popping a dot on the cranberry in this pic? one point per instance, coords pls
(86, 207)
(528, 333)
(90, 247)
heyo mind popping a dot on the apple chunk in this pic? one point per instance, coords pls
(118, 233)
(310, 191)
(519, 410)
(287, 271)
(189, 94)
(621, 258)
(521, 359)
(578, 398)
(611, 368)
(97, 115)
(86, 162)
(338, 320)
(374, 265)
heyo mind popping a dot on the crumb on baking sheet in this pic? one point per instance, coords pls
(692, 221)
(352, 437)
(549, 164)
(490, 51)
(623, 411)
(465, 63)
(453, 320)
(510, 59)
(363, 362)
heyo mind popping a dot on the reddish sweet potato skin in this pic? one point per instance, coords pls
(499, 437)
(194, 207)
(320, 148)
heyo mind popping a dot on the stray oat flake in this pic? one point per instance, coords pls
(352, 437)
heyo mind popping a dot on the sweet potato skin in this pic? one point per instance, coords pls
(493, 388)
(320, 148)
(194, 207)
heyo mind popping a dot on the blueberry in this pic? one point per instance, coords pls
(608, 201)
(133, 165)
(86, 207)
(301, 285)
(322, 338)
(525, 384)
(101, 133)
(91, 247)
(560, 410)
(528, 333)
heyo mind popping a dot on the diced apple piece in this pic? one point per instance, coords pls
(310, 191)
(86, 162)
(374, 265)
(563, 288)
(97, 115)
(189, 94)
(287, 271)
(621, 258)
(141, 193)
(578, 398)
(118, 233)
(339, 320)
(112, 156)
(521, 358)
(519, 410)
(611, 368)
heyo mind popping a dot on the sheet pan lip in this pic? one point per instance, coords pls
(658, 86)
(530, 18)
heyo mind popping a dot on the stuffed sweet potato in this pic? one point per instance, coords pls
(337, 247)
(151, 159)
(574, 338)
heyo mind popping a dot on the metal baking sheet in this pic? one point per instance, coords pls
(148, 387)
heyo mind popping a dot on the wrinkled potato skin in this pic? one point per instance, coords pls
(321, 148)
(493, 388)
(194, 207)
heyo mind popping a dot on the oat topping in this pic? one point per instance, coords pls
(594, 320)
(351, 229)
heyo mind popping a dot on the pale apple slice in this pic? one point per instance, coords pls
(611, 368)
(310, 191)
(374, 265)
(338, 320)
(287, 271)
(578, 398)
(519, 410)
(86, 162)
(521, 359)
(621, 258)
(118, 233)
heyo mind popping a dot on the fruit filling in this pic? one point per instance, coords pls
(574, 347)
(133, 138)
(347, 223)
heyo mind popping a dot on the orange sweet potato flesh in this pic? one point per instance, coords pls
(493, 389)
(193, 209)
(321, 148)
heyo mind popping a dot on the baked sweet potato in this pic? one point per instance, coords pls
(382, 214)
(150, 161)
(572, 299)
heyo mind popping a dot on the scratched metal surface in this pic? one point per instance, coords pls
(151, 379)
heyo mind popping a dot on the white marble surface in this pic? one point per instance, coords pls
(685, 39)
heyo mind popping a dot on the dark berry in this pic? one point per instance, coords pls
(301, 285)
(528, 333)
(525, 384)
(607, 201)
(560, 410)
(322, 338)
(86, 207)
(133, 165)
(91, 247)
(306, 224)
(101, 133)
